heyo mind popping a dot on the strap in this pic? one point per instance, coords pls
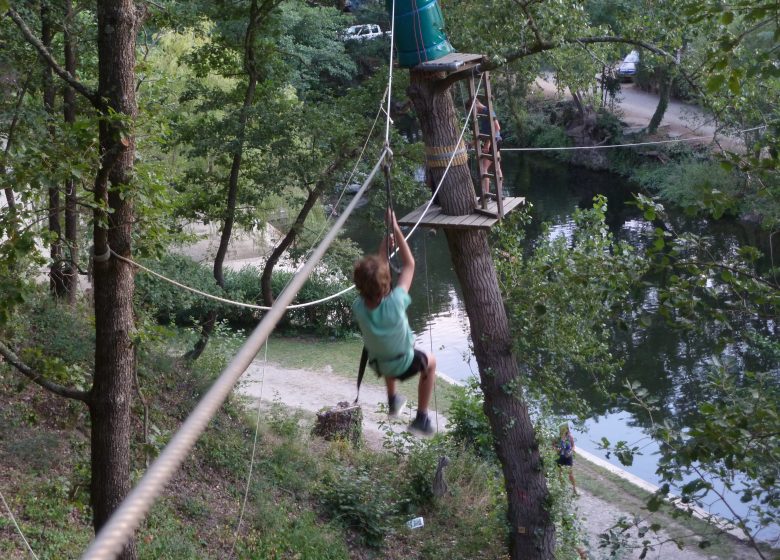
(394, 269)
(361, 371)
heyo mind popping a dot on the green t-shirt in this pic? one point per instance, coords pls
(386, 333)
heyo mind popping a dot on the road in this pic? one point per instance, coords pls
(635, 107)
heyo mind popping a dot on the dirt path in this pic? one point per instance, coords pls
(310, 391)
(636, 108)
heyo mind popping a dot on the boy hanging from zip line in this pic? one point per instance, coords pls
(380, 312)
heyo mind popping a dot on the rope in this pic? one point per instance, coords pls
(562, 148)
(18, 529)
(430, 329)
(390, 76)
(221, 299)
(252, 460)
(126, 518)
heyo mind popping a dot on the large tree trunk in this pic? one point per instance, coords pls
(112, 388)
(532, 534)
(71, 271)
(56, 281)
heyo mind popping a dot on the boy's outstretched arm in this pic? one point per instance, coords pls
(407, 260)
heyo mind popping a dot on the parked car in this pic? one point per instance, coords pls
(363, 32)
(627, 69)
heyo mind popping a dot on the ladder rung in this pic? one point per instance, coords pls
(484, 135)
(489, 155)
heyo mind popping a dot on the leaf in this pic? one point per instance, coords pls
(734, 85)
(727, 18)
(715, 82)
(4, 6)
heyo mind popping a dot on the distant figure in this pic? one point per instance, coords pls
(380, 312)
(565, 447)
(485, 163)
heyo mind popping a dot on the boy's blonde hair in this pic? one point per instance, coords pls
(372, 277)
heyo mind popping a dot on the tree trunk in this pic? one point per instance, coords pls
(297, 227)
(56, 281)
(249, 97)
(235, 168)
(112, 388)
(71, 271)
(667, 78)
(532, 534)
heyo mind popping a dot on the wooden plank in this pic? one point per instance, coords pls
(435, 218)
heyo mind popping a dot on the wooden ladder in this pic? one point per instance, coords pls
(493, 155)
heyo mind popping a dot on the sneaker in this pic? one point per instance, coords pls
(422, 426)
(395, 405)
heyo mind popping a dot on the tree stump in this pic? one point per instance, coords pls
(343, 421)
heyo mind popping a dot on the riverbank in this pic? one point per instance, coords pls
(310, 374)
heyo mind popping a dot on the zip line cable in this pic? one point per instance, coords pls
(606, 146)
(125, 520)
(252, 459)
(18, 529)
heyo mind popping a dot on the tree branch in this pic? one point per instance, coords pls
(30, 37)
(55, 388)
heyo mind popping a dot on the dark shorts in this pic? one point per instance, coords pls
(565, 461)
(419, 363)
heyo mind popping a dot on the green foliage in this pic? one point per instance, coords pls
(697, 186)
(468, 424)
(359, 498)
(564, 301)
(169, 303)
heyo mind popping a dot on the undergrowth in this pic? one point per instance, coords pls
(307, 499)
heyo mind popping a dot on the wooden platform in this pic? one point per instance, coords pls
(453, 62)
(435, 218)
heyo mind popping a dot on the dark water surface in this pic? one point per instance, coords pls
(669, 364)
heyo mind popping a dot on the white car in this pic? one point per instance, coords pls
(363, 32)
(627, 68)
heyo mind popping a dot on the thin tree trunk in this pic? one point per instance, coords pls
(112, 389)
(665, 90)
(532, 534)
(249, 97)
(56, 282)
(232, 195)
(71, 208)
(9, 192)
(297, 227)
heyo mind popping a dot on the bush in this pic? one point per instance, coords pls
(169, 303)
(359, 497)
(468, 424)
(697, 186)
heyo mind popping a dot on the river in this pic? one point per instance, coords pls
(669, 364)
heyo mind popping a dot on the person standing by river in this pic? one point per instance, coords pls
(565, 447)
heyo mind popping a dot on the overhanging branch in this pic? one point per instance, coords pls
(36, 377)
(49, 59)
